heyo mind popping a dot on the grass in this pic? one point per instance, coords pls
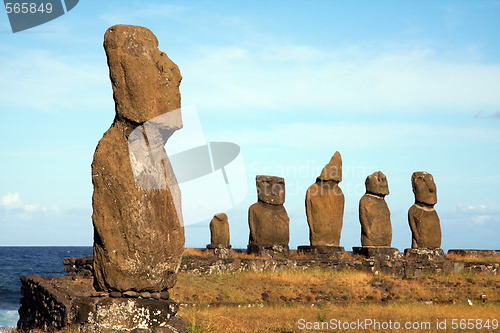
(338, 287)
(275, 301)
(288, 318)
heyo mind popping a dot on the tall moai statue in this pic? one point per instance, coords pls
(219, 236)
(267, 218)
(423, 219)
(138, 229)
(325, 210)
(375, 219)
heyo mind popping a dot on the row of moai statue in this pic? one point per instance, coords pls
(269, 222)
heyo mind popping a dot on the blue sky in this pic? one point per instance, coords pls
(396, 86)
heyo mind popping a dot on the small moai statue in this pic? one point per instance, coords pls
(219, 236)
(423, 219)
(325, 210)
(375, 219)
(267, 218)
(374, 214)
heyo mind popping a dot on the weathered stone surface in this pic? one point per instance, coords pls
(422, 217)
(377, 252)
(82, 266)
(138, 231)
(267, 219)
(130, 294)
(425, 254)
(270, 189)
(220, 251)
(333, 170)
(63, 303)
(219, 230)
(322, 251)
(474, 253)
(374, 214)
(272, 251)
(325, 205)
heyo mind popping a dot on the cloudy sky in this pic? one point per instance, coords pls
(393, 86)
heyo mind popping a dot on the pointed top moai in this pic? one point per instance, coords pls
(333, 170)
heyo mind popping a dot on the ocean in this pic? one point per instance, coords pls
(18, 261)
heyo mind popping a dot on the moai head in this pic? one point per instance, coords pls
(376, 183)
(333, 170)
(271, 189)
(145, 81)
(424, 187)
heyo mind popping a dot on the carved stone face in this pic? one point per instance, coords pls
(271, 189)
(145, 81)
(424, 187)
(376, 183)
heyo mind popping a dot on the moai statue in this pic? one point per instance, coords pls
(219, 236)
(422, 217)
(219, 230)
(374, 214)
(375, 219)
(267, 219)
(138, 229)
(325, 210)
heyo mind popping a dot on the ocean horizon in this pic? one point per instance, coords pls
(20, 261)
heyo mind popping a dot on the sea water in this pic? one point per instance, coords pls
(18, 261)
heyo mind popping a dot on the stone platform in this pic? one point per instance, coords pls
(425, 254)
(71, 302)
(377, 252)
(324, 252)
(219, 251)
(273, 250)
(474, 253)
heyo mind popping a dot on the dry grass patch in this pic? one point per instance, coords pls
(335, 287)
(288, 319)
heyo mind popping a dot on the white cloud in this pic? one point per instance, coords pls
(47, 81)
(145, 11)
(12, 205)
(477, 214)
(354, 134)
(304, 77)
(11, 200)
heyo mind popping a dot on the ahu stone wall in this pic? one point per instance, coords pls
(397, 267)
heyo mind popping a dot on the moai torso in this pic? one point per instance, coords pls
(325, 205)
(374, 214)
(267, 219)
(422, 217)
